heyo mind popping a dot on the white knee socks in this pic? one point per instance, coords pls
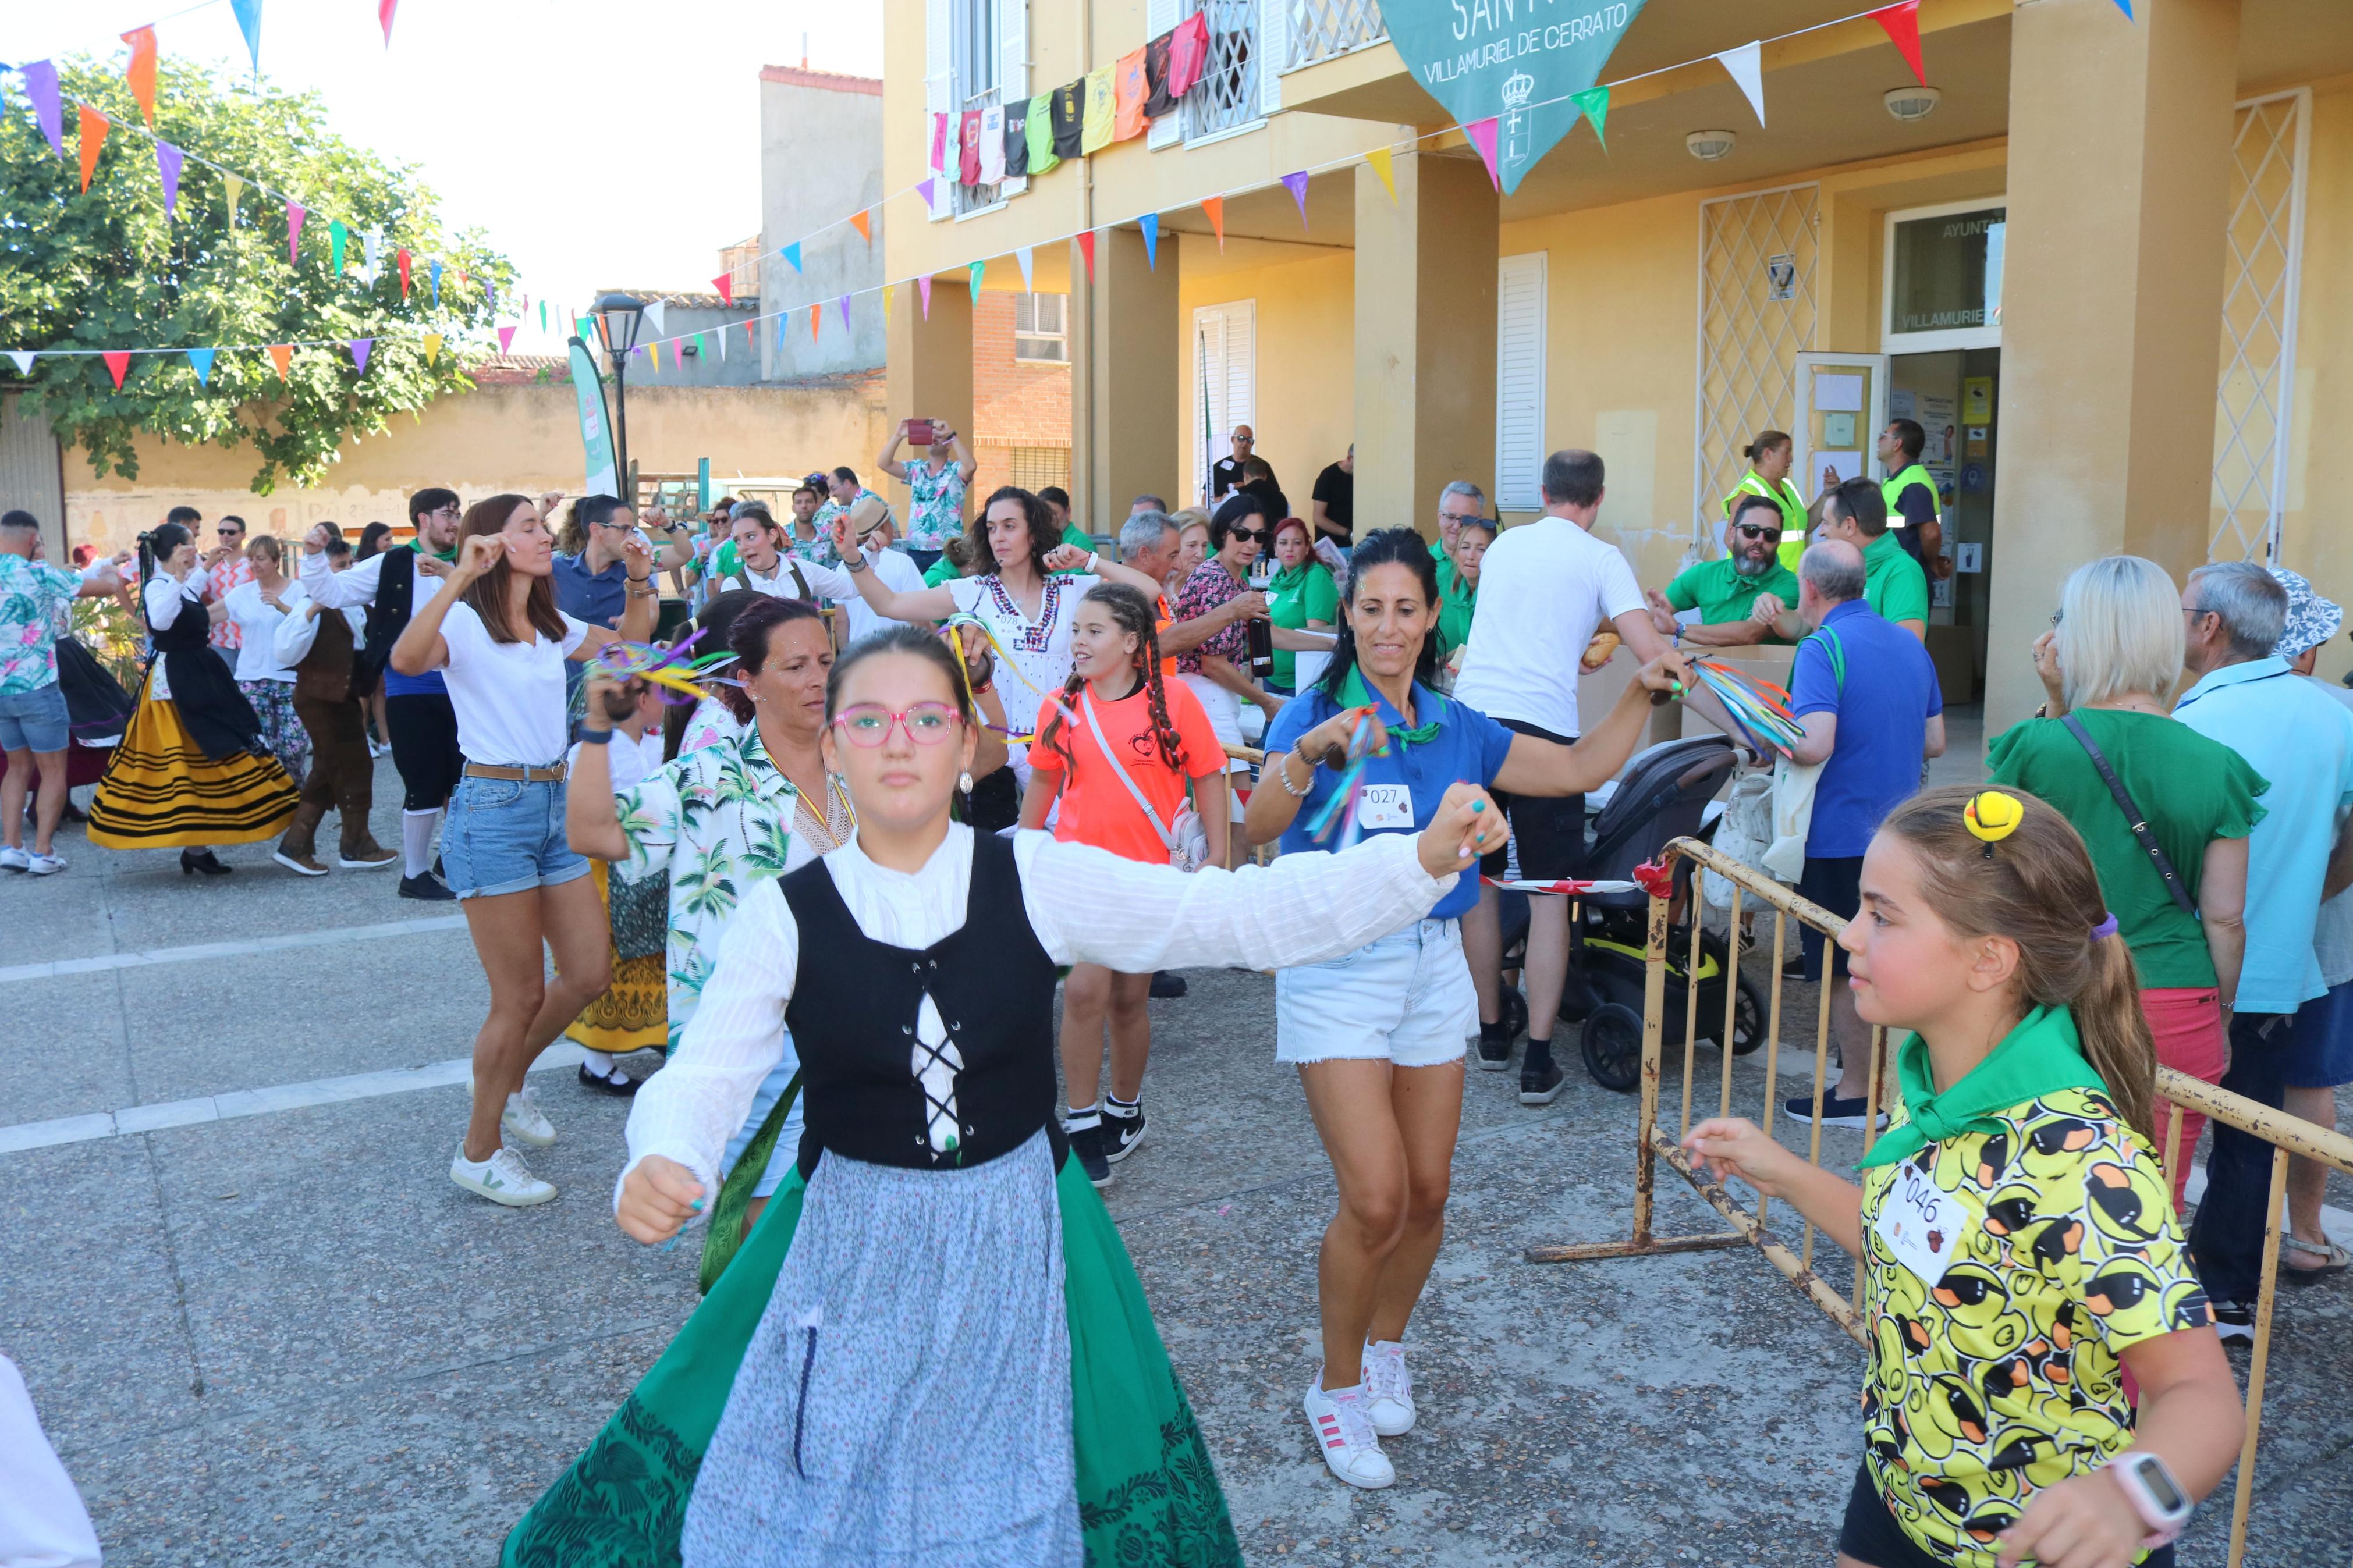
(416, 842)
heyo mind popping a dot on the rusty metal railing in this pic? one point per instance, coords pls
(2287, 1135)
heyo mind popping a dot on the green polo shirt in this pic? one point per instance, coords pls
(1717, 590)
(1893, 583)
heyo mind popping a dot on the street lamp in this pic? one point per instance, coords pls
(621, 314)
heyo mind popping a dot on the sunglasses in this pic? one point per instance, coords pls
(868, 725)
(1753, 531)
(1261, 536)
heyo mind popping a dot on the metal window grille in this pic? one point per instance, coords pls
(1322, 28)
(1032, 467)
(2262, 274)
(1748, 341)
(1039, 333)
(1227, 93)
(976, 86)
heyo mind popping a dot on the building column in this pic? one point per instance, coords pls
(1425, 338)
(2112, 304)
(929, 375)
(1128, 379)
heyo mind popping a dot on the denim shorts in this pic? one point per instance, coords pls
(34, 720)
(505, 836)
(2320, 1051)
(788, 1140)
(1404, 998)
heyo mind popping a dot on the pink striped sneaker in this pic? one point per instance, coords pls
(1345, 1436)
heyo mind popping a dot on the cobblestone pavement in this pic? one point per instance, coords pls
(263, 1328)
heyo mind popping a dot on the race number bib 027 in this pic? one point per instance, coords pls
(1921, 1223)
(1389, 805)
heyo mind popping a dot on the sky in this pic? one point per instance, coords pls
(583, 175)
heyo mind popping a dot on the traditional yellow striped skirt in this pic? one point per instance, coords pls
(633, 1014)
(161, 792)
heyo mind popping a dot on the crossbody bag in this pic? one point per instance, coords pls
(1188, 842)
(2140, 828)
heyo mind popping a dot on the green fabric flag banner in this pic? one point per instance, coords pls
(1490, 59)
(1594, 103)
(595, 441)
(336, 234)
(980, 271)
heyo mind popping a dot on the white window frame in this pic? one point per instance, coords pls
(1268, 16)
(1207, 432)
(946, 23)
(1061, 335)
(1519, 481)
(1896, 342)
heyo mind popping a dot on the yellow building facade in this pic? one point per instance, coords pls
(2105, 264)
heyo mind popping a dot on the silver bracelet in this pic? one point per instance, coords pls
(1282, 775)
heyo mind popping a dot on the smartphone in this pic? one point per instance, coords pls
(919, 431)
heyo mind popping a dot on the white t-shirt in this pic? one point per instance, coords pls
(825, 583)
(257, 656)
(631, 761)
(1544, 588)
(509, 696)
(900, 574)
(1041, 649)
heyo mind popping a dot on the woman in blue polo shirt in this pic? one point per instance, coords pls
(1377, 1035)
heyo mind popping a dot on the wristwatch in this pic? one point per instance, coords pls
(2154, 1494)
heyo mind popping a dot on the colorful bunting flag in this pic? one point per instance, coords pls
(432, 343)
(888, 291)
(1902, 26)
(782, 317)
(980, 271)
(750, 336)
(374, 242)
(1087, 252)
(360, 347)
(657, 314)
(842, 307)
(294, 211)
(1026, 258)
(816, 318)
(1481, 135)
(929, 192)
(1746, 65)
(24, 359)
(653, 352)
(168, 166)
(1214, 208)
(434, 272)
(383, 10)
(923, 288)
(336, 235)
(506, 339)
(400, 264)
(542, 315)
(235, 185)
(725, 284)
(141, 72)
(1594, 104)
(1150, 224)
(118, 364)
(863, 221)
(793, 254)
(1384, 165)
(41, 86)
(282, 356)
(93, 137)
(723, 345)
(2126, 6)
(248, 18)
(203, 360)
(1297, 185)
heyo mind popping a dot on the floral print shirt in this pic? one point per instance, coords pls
(719, 820)
(820, 549)
(1209, 586)
(936, 514)
(32, 594)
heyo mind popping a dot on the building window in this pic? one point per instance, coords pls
(977, 34)
(1040, 335)
(1032, 467)
(1227, 94)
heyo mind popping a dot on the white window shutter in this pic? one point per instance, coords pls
(939, 92)
(1225, 379)
(1159, 16)
(1520, 382)
(1241, 365)
(1013, 71)
(1273, 52)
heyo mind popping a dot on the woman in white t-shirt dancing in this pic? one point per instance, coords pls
(494, 630)
(1025, 607)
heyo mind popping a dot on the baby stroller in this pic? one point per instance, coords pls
(1663, 794)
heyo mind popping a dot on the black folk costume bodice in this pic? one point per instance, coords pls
(927, 1059)
(214, 711)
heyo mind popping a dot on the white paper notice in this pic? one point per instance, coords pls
(1848, 464)
(1838, 393)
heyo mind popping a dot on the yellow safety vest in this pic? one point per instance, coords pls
(1915, 475)
(1793, 512)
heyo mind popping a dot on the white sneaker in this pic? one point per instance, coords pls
(1388, 1388)
(1345, 1435)
(45, 864)
(12, 859)
(522, 1120)
(503, 1178)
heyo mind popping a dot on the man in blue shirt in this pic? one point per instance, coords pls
(1866, 691)
(2300, 739)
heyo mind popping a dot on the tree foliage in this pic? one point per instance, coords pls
(106, 269)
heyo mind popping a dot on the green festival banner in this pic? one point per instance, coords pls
(1508, 70)
(595, 438)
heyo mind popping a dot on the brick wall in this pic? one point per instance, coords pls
(1014, 404)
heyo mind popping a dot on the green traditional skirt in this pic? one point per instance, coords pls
(1146, 1492)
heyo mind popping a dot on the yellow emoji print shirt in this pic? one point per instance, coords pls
(2001, 1377)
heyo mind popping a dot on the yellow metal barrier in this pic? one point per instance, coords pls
(2287, 1135)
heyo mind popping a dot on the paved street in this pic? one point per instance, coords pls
(262, 1327)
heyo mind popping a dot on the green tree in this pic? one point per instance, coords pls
(105, 269)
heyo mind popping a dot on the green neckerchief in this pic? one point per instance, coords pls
(2039, 1056)
(449, 556)
(1353, 693)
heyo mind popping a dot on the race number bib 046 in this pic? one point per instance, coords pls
(1921, 1223)
(1389, 805)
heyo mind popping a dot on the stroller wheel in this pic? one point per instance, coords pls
(1612, 1044)
(1747, 1020)
(1515, 1013)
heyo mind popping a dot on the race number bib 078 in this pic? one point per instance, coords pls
(1389, 805)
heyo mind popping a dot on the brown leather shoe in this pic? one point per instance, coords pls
(366, 855)
(302, 863)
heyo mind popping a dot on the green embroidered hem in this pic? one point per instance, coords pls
(1147, 1494)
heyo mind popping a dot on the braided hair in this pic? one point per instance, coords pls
(1132, 615)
